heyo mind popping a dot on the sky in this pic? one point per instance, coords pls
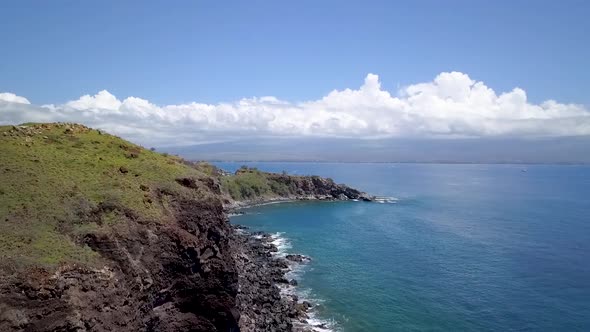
(195, 72)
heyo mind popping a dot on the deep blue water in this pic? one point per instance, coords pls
(465, 248)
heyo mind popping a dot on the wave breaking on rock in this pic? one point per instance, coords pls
(269, 297)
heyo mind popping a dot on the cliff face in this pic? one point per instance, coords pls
(98, 234)
(177, 276)
(249, 186)
(316, 187)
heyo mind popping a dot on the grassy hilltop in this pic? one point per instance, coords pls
(56, 178)
(60, 182)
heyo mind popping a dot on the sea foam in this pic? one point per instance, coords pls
(386, 200)
(297, 271)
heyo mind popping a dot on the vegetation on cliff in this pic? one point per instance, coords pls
(56, 177)
(252, 185)
(99, 234)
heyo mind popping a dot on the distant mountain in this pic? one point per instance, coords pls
(460, 150)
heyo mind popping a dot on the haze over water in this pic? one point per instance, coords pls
(464, 247)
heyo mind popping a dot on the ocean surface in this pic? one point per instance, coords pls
(453, 248)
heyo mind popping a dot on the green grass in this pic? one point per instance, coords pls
(250, 183)
(51, 174)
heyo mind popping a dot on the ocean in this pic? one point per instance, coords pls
(449, 248)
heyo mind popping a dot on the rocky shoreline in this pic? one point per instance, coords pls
(234, 207)
(266, 298)
(250, 187)
(261, 299)
(128, 239)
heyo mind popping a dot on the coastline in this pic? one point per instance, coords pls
(156, 254)
(267, 294)
(235, 206)
(268, 298)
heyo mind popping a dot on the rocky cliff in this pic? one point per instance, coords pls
(98, 234)
(250, 186)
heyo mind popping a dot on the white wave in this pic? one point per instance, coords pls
(321, 325)
(281, 242)
(240, 231)
(297, 271)
(315, 322)
(386, 200)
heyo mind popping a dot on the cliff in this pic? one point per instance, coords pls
(250, 186)
(99, 234)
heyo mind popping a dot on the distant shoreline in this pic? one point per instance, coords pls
(400, 162)
(236, 208)
(244, 205)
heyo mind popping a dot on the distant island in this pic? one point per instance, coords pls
(97, 234)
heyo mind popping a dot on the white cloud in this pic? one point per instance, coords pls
(102, 100)
(12, 98)
(452, 105)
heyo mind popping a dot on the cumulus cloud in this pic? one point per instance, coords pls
(12, 98)
(102, 100)
(451, 105)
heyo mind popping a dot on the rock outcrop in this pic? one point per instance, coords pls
(177, 276)
(263, 187)
(317, 187)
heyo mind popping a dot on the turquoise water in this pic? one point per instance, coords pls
(465, 247)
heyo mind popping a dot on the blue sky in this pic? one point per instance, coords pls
(363, 80)
(298, 50)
